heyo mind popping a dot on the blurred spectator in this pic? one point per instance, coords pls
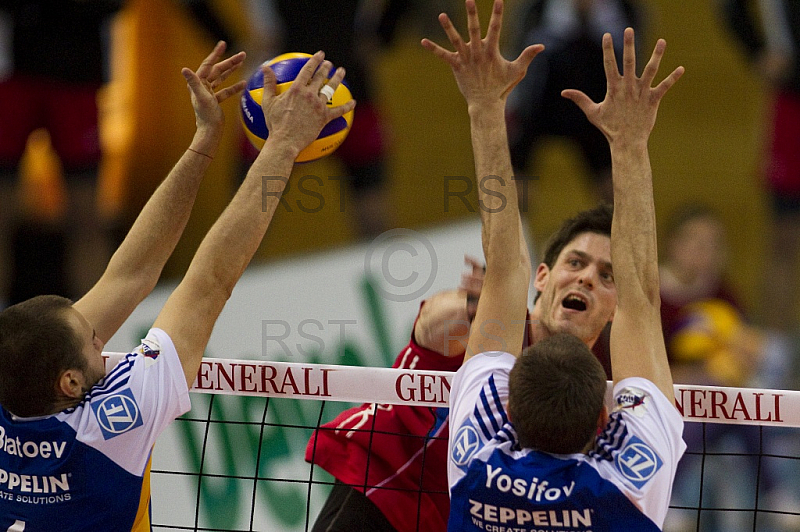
(53, 62)
(710, 343)
(769, 32)
(571, 31)
(53, 70)
(692, 273)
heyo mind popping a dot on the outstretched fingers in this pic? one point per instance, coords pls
(223, 69)
(521, 64)
(580, 99)
(452, 34)
(438, 51)
(307, 72)
(270, 87)
(320, 76)
(329, 85)
(662, 88)
(610, 60)
(473, 23)
(208, 63)
(227, 92)
(628, 55)
(528, 54)
(192, 80)
(495, 25)
(651, 69)
(337, 78)
(213, 72)
(334, 82)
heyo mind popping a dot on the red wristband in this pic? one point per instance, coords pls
(200, 153)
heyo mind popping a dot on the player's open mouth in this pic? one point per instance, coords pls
(574, 302)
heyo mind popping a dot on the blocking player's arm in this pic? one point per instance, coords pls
(485, 79)
(294, 119)
(444, 320)
(443, 323)
(626, 117)
(136, 266)
(499, 323)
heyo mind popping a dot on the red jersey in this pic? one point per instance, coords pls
(396, 455)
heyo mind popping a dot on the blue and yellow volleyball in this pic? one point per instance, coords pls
(286, 68)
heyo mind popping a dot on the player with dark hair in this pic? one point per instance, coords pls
(524, 444)
(389, 460)
(75, 450)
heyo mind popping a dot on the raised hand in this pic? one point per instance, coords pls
(628, 112)
(299, 114)
(482, 74)
(204, 83)
(472, 283)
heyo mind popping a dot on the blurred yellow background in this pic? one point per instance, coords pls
(705, 147)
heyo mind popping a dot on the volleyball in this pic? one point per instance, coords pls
(286, 68)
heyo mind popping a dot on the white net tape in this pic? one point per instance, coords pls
(741, 406)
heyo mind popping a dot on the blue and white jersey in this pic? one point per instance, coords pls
(87, 468)
(623, 484)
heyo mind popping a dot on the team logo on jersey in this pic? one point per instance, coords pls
(633, 400)
(150, 350)
(638, 462)
(117, 414)
(465, 444)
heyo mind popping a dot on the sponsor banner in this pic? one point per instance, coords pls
(744, 406)
(353, 384)
(740, 406)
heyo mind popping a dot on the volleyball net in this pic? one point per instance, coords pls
(236, 461)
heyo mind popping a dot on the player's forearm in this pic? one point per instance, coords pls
(637, 341)
(233, 240)
(207, 139)
(633, 234)
(503, 244)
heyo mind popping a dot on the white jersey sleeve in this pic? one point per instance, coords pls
(477, 408)
(640, 447)
(85, 468)
(123, 414)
